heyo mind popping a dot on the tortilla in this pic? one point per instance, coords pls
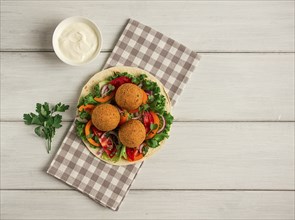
(100, 76)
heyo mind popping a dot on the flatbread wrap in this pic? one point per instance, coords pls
(123, 115)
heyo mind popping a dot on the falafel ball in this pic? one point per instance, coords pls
(132, 133)
(129, 96)
(105, 117)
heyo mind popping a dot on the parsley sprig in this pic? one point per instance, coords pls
(46, 120)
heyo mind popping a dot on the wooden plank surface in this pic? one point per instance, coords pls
(224, 87)
(217, 156)
(150, 205)
(248, 26)
(234, 128)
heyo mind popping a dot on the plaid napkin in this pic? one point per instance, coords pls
(139, 46)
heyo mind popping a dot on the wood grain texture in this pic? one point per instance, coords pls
(229, 170)
(214, 156)
(248, 26)
(193, 205)
(224, 87)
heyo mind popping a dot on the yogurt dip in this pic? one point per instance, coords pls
(76, 41)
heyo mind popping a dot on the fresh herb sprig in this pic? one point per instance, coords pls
(46, 120)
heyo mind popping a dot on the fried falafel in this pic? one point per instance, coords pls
(129, 96)
(105, 117)
(132, 133)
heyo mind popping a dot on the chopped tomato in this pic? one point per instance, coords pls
(130, 153)
(133, 154)
(156, 122)
(87, 133)
(96, 132)
(87, 108)
(108, 145)
(124, 115)
(105, 98)
(119, 81)
(147, 121)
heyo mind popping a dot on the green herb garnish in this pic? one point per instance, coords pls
(153, 126)
(89, 99)
(84, 115)
(47, 122)
(96, 91)
(145, 149)
(155, 141)
(80, 126)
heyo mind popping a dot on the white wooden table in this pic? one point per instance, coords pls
(231, 151)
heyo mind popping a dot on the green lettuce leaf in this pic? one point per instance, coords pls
(155, 141)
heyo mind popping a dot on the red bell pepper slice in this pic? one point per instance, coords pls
(130, 153)
(119, 81)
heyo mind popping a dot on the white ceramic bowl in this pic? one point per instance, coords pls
(58, 32)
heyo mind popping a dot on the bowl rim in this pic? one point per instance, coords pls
(61, 26)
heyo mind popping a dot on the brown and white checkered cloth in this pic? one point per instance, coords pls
(139, 46)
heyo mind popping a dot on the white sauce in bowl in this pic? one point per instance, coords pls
(78, 42)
